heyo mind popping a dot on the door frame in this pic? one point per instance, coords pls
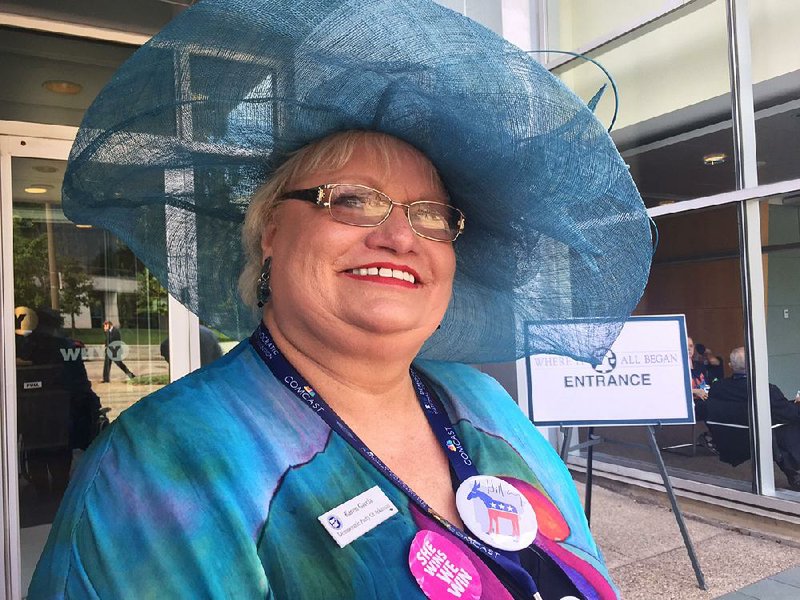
(46, 142)
(35, 140)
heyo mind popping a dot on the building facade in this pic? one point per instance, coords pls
(708, 121)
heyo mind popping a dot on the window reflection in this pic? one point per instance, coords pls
(89, 324)
(675, 103)
(696, 273)
(578, 23)
(213, 345)
(780, 227)
(776, 88)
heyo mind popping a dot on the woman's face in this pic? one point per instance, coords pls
(313, 256)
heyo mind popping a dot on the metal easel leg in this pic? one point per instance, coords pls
(687, 541)
(587, 503)
(565, 431)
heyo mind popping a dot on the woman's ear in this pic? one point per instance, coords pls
(267, 238)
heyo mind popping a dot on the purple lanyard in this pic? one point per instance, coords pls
(463, 466)
(443, 429)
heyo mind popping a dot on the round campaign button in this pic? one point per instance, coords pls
(496, 512)
(441, 569)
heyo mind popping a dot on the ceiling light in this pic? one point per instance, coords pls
(38, 188)
(45, 169)
(715, 158)
(81, 226)
(61, 86)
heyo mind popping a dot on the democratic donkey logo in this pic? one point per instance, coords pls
(496, 512)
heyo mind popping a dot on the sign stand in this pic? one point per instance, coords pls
(687, 541)
(643, 380)
(591, 443)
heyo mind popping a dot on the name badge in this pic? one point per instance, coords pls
(352, 519)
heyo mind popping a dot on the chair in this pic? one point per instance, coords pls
(680, 447)
(733, 441)
(43, 422)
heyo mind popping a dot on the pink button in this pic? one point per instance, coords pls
(441, 569)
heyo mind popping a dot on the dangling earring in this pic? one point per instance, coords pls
(262, 287)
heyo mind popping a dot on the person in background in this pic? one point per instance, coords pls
(210, 350)
(712, 364)
(728, 402)
(60, 410)
(700, 383)
(113, 352)
(700, 387)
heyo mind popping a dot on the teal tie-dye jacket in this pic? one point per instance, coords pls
(211, 488)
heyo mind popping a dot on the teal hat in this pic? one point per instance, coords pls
(557, 246)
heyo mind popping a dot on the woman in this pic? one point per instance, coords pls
(324, 457)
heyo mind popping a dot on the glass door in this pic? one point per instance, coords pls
(90, 326)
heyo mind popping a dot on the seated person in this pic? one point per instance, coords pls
(700, 386)
(727, 403)
(50, 429)
(705, 359)
(700, 383)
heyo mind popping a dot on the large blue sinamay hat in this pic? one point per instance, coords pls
(557, 245)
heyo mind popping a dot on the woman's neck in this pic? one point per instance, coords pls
(373, 393)
(352, 374)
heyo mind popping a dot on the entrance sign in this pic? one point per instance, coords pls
(644, 379)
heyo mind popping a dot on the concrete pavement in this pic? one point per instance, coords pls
(782, 586)
(644, 550)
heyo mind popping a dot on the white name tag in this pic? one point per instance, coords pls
(352, 519)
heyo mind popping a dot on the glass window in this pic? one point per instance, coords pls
(485, 12)
(582, 22)
(776, 88)
(213, 344)
(90, 321)
(143, 16)
(673, 127)
(53, 79)
(780, 227)
(696, 273)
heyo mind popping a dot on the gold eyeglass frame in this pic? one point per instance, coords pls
(317, 196)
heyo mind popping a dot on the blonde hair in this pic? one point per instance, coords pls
(326, 154)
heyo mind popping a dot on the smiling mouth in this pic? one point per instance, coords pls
(384, 272)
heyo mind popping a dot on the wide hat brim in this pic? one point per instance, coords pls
(557, 246)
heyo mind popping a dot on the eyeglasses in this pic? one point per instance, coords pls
(364, 206)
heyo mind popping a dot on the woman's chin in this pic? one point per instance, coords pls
(393, 324)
